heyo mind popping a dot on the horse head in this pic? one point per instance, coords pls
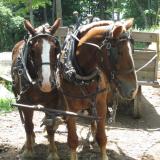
(40, 52)
(120, 50)
(111, 48)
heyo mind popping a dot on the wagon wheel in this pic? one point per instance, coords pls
(136, 104)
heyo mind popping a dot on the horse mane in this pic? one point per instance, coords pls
(85, 28)
(44, 28)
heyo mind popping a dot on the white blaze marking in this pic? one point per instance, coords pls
(46, 59)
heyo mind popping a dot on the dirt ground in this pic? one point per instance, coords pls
(128, 138)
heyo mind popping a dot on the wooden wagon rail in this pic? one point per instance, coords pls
(149, 74)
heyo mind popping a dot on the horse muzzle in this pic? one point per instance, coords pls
(46, 87)
(127, 91)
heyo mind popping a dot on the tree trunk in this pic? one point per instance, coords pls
(31, 12)
(113, 10)
(158, 12)
(53, 9)
(45, 14)
(142, 12)
(59, 10)
(101, 3)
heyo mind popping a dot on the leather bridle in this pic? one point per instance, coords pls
(28, 44)
(111, 45)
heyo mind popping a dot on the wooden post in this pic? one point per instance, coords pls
(113, 10)
(59, 10)
(158, 54)
(31, 12)
(45, 14)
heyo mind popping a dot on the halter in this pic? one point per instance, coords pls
(111, 45)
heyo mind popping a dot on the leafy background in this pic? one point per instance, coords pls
(13, 12)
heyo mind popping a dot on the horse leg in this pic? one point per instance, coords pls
(72, 137)
(30, 136)
(52, 147)
(93, 131)
(100, 134)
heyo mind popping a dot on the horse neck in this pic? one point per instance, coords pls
(86, 58)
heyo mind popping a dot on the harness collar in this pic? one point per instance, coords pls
(71, 69)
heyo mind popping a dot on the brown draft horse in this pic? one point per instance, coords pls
(103, 55)
(33, 73)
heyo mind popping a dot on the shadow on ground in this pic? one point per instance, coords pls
(149, 120)
(41, 152)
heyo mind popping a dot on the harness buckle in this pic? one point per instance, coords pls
(112, 75)
(108, 45)
(20, 72)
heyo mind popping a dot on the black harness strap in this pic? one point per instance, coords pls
(84, 96)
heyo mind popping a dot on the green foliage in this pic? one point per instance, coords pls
(7, 84)
(5, 102)
(17, 28)
(145, 13)
(35, 3)
(11, 28)
(5, 105)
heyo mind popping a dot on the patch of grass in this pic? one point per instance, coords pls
(6, 84)
(5, 105)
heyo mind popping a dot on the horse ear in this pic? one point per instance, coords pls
(128, 23)
(117, 31)
(28, 26)
(55, 26)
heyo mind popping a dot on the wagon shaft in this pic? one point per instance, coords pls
(54, 112)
